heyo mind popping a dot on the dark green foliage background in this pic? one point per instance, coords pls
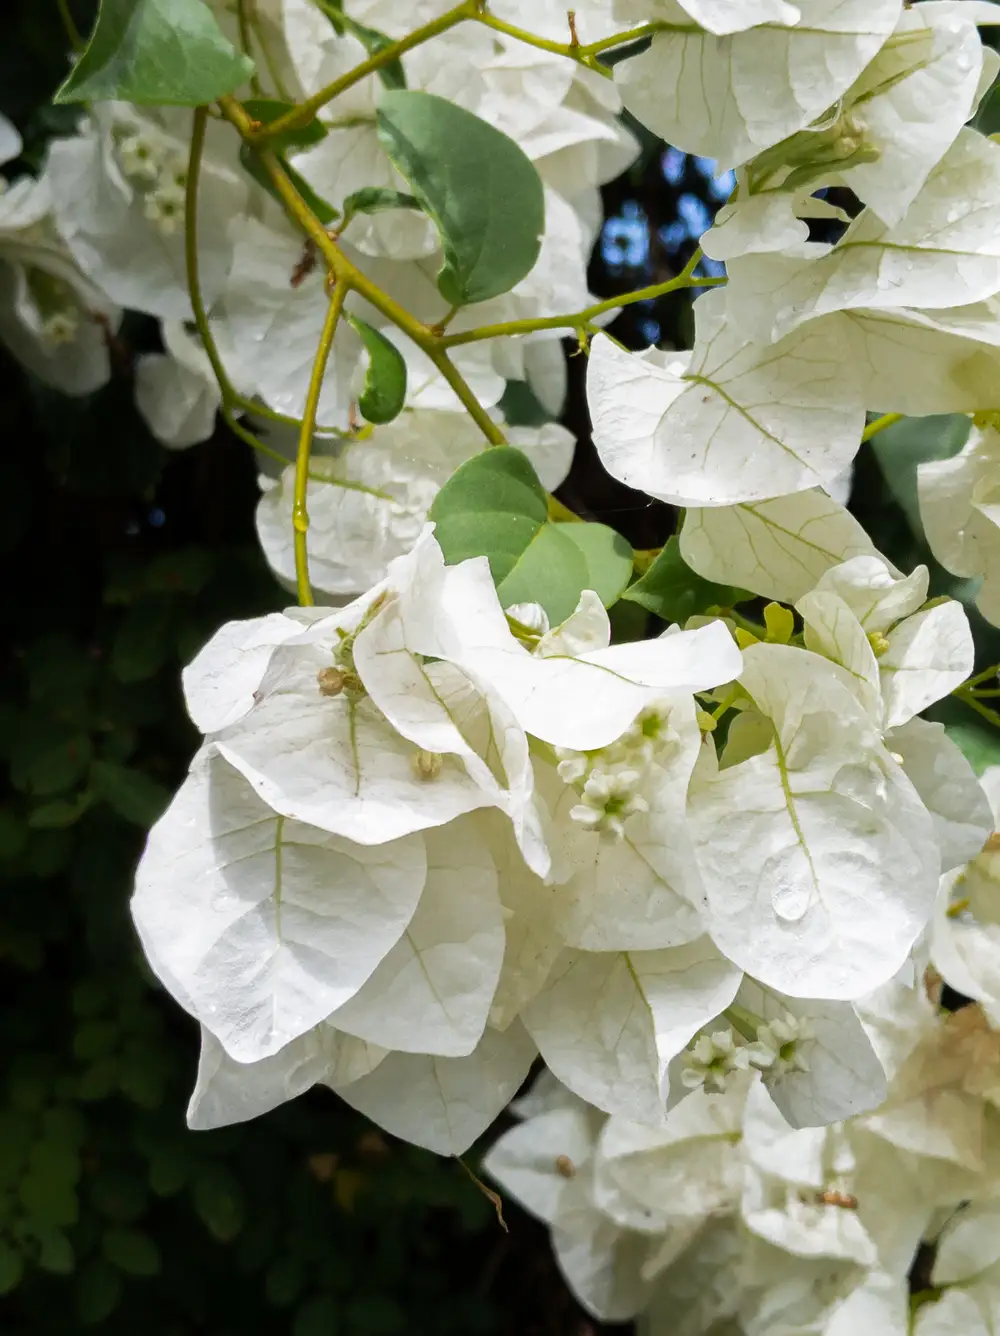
(118, 560)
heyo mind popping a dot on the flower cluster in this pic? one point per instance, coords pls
(728, 1218)
(728, 1215)
(714, 877)
(422, 831)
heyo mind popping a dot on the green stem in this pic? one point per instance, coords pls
(269, 61)
(231, 398)
(581, 54)
(685, 279)
(246, 43)
(992, 671)
(305, 111)
(195, 155)
(745, 624)
(72, 31)
(255, 443)
(466, 397)
(300, 515)
(990, 715)
(350, 279)
(880, 424)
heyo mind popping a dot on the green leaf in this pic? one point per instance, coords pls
(979, 746)
(904, 445)
(55, 1252)
(494, 506)
(268, 109)
(142, 641)
(131, 1251)
(521, 406)
(49, 1196)
(317, 1317)
(118, 1194)
(251, 163)
(218, 1199)
(284, 1281)
(59, 814)
(129, 792)
(672, 590)
(384, 391)
(161, 52)
(392, 75)
(608, 556)
(98, 1290)
(481, 191)
(11, 1268)
(376, 199)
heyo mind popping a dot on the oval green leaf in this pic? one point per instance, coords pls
(494, 506)
(384, 391)
(166, 52)
(482, 192)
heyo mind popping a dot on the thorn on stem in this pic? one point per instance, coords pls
(574, 39)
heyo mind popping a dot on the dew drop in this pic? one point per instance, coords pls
(790, 900)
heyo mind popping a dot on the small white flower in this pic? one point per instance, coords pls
(609, 799)
(711, 1059)
(140, 158)
(778, 1046)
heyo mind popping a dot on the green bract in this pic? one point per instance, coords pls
(483, 194)
(384, 391)
(166, 52)
(494, 506)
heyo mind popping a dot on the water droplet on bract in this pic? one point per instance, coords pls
(790, 878)
(790, 900)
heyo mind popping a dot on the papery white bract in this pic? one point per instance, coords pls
(804, 848)
(734, 422)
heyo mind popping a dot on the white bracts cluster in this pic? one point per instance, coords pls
(415, 849)
(899, 314)
(358, 882)
(726, 1217)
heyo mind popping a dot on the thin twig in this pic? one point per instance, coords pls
(300, 513)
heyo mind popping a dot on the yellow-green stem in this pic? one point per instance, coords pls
(990, 715)
(255, 443)
(243, 22)
(305, 111)
(880, 424)
(580, 319)
(300, 514)
(69, 23)
(195, 154)
(581, 54)
(992, 671)
(467, 399)
(352, 279)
